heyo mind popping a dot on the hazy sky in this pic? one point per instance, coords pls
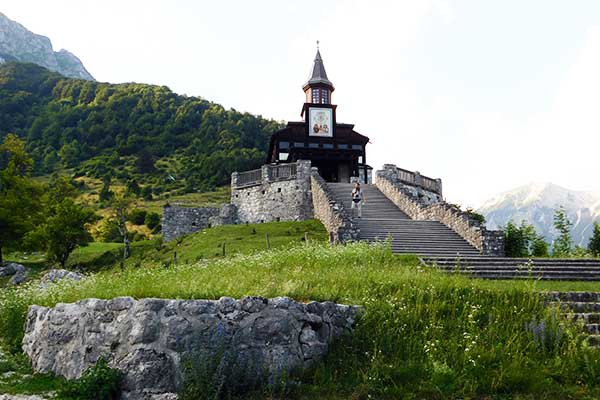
(487, 95)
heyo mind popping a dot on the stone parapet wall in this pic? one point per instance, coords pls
(486, 241)
(149, 339)
(179, 220)
(331, 213)
(277, 193)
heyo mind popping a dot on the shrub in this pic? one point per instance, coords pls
(97, 383)
(137, 216)
(152, 220)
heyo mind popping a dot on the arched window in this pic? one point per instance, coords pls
(325, 96)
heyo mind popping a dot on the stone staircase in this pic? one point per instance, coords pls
(439, 246)
(382, 219)
(572, 269)
(580, 306)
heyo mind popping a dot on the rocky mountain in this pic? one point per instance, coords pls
(536, 203)
(19, 44)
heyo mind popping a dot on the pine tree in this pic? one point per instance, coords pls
(594, 244)
(539, 247)
(562, 244)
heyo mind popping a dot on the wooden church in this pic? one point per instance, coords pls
(334, 148)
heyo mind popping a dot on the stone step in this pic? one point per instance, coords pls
(563, 277)
(578, 306)
(574, 296)
(518, 268)
(506, 259)
(594, 340)
(587, 318)
(593, 329)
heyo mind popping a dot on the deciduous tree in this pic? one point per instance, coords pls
(562, 244)
(20, 196)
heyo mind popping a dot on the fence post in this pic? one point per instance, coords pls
(268, 241)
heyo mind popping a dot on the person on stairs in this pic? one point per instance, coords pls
(358, 199)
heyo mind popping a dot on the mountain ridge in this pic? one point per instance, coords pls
(536, 202)
(17, 43)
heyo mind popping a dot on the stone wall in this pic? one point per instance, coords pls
(428, 207)
(331, 213)
(148, 339)
(274, 196)
(178, 220)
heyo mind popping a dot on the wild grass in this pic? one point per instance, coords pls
(424, 334)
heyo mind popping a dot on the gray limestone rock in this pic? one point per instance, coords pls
(19, 44)
(17, 271)
(150, 339)
(55, 275)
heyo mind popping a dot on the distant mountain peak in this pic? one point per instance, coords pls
(19, 44)
(536, 202)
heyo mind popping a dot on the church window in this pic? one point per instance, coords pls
(315, 95)
(313, 145)
(360, 159)
(325, 96)
(328, 145)
(298, 144)
(283, 156)
(342, 146)
(284, 145)
(356, 147)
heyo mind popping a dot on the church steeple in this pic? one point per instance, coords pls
(318, 88)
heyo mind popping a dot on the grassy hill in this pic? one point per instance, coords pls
(424, 334)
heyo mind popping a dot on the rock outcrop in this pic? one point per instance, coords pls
(150, 339)
(17, 272)
(55, 275)
(19, 44)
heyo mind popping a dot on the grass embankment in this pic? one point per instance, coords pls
(424, 334)
(205, 244)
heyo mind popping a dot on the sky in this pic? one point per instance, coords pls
(486, 95)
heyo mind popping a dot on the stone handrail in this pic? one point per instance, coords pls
(267, 173)
(486, 241)
(416, 179)
(331, 213)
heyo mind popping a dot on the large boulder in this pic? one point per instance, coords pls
(55, 275)
(150, 339)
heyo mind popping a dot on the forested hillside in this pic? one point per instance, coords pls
(131, 132)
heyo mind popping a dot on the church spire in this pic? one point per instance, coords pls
(318, 75)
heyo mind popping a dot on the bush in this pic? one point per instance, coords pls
(137, 217)
(97, 383)
(152, 220)
(109, 231)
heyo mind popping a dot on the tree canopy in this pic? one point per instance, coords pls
(98, 128)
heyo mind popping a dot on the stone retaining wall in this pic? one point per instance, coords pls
(148, 339)
(274, 199)
(486, 241)
(178, 220)
(331, 213)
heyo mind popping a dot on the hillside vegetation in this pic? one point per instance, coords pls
(128, 131)
(424, 334)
